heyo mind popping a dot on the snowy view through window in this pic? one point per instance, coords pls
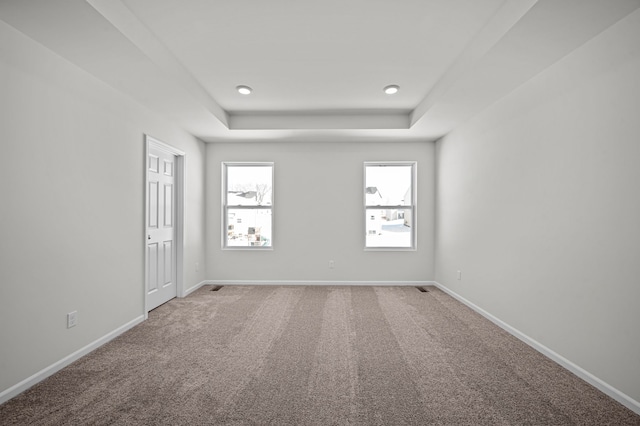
(248, 204)
(389, 205)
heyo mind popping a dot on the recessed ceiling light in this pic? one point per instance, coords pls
(244, 90)
(391, 89)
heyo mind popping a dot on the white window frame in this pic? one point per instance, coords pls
(412, 207)
(226, 207)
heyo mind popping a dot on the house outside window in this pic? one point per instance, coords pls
(247, 200)
(390, 205)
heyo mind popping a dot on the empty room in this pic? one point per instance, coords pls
(320, 212)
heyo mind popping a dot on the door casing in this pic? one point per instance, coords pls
(179, 219)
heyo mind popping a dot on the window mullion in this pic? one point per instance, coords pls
(395, 206)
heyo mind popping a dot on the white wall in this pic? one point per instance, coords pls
(71, 211)
(319, 214)
(538, 204)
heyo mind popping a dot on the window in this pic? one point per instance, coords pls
(389, 198)
(247, 200)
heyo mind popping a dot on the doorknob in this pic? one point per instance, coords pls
(148, 237)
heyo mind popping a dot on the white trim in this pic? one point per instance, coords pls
(180, 175)
(59, 365)
(318, 282)
(194, 288)
(596, 382)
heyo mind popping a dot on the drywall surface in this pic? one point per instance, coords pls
(319, 214)
(72, 209)
(538, 206)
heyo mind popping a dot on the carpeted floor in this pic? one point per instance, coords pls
(314, 355)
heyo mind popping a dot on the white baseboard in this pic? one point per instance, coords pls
(603, 386)
(190, 290)
(53, 368)
(318, 282)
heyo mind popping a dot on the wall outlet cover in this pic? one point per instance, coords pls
(72, 319)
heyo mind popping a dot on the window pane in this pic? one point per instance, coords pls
(249, 185)
(248, 227)
(388, 185)
(388, 228)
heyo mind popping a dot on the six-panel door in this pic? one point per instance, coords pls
(161, 253)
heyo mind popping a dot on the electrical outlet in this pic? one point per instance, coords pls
(332, 264)
(72, 319)
(459, 275)
(197, 266)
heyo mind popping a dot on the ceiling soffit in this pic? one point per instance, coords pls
(130, 25)
(519, 39)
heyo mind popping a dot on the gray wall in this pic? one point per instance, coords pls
(319, 214)
(538, 204)
(71, 215)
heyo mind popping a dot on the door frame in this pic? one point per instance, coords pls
(180, 169)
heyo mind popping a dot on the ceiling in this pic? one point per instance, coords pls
(317, 68)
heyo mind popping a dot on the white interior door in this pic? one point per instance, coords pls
(161, 234)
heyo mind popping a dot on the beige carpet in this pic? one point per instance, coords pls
(315, 355)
